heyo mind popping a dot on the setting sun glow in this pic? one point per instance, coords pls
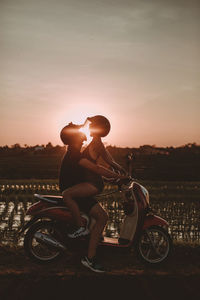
(86, 131)
(63, 62)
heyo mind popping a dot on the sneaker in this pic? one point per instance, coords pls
(81, 231)
(92, 264)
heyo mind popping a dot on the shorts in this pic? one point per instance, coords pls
(86, 204)
(95, 180)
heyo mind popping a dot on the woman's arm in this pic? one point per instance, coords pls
(107, 157)
(100, 169)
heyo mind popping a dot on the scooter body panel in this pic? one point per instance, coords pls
(58, 213)
(43, 209)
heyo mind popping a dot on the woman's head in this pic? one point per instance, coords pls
(70, 135)
(99, 126)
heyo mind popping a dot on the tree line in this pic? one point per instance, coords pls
(146, 162)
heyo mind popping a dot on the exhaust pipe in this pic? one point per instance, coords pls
(48, 240)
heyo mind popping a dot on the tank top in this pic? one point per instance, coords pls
(91, 176)
(86, 154)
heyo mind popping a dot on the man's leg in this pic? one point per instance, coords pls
(101, 218)
(79, 190)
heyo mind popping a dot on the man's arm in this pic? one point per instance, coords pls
(100, 169)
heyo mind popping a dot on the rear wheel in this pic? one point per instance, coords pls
(36, 249)
(154, 245)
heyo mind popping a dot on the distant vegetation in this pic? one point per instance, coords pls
(148, 162)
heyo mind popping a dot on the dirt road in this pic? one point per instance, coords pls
(178, 278)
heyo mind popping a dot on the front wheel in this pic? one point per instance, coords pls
(154, 245)
(35, 249)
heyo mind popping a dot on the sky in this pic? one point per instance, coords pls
(137, 62)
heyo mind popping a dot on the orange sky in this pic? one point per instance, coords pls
(136, 62)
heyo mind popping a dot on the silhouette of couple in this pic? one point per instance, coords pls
(80, 180)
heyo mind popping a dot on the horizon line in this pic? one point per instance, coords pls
(106, 144)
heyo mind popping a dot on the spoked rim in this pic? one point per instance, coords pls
(40, 250)
(154, 245)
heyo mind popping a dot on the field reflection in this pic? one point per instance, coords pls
(178, 203)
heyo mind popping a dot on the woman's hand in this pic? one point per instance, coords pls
(121, 170)
(124, 177)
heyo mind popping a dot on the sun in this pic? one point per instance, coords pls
(86, 131)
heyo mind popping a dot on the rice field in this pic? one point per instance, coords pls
(177, 202)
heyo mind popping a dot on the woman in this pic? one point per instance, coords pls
(76, 183)
(100, 127)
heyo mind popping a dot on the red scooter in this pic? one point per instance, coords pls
(46, 233)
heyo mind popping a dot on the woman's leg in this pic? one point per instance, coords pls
(101, 217)
(84, 189)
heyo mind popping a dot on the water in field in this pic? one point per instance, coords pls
(179, 204)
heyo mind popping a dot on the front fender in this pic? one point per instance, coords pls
(27, 225)
(152, 220)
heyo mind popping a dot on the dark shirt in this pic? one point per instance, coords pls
(71, 173)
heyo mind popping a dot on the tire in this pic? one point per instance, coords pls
(37, 251)
(154, 245)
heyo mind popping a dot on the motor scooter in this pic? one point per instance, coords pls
(46, 237)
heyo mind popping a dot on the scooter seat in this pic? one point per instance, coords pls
(57, 200)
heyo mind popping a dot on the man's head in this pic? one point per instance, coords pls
(71, 135)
